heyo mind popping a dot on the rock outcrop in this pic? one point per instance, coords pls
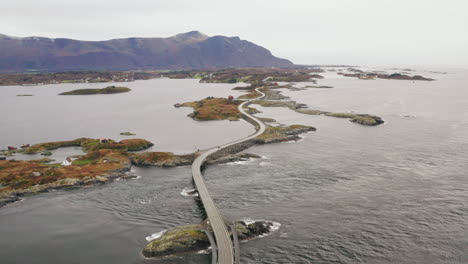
(192, 238)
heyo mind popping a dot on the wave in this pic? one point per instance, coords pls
(274, 227)
(241, 162)
(190, 192)
(155, 236)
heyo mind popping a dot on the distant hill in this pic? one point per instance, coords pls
(182, 51)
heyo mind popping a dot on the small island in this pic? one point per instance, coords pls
(193, 238)
(105, 159)
(127, 134)
(107, 90)
(373, 75)
(212, 108)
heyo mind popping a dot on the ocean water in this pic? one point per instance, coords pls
(396, 193)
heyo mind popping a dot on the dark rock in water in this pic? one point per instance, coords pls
(192, 238)
(248, 231)
(367, 120)
(300, 106)
(362, 119)
(127, 134)
(6, 200)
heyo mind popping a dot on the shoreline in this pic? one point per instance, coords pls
(270, 134)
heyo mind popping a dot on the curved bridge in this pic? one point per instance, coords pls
(226, 249)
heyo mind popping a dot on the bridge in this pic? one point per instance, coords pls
(225, 251)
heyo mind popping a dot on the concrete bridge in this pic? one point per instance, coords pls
(225, 250)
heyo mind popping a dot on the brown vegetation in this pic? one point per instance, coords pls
(214, 109)
(161, 159)
(18, 176)
(89, 144)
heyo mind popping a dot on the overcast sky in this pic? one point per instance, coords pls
(364, 32)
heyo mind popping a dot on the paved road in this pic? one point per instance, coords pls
(223, 239)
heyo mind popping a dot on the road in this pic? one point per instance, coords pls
(223, 239)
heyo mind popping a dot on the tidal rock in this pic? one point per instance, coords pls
(367, 120)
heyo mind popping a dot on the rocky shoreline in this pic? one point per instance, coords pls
(66, 183)
(104, 161)
(121, 160)
(193, 238)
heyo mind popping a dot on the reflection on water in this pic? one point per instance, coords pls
(396, 193)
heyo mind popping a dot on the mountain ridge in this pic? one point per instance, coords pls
(182, 51)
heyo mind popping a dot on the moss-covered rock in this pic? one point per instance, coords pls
(192, 238)
(342, 115)
(367, 120)
(178, 241)
(362, 119)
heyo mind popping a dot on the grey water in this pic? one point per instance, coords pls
(396, 193)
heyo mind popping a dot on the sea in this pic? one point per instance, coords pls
(394, 193)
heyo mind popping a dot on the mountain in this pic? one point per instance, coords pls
(187, 50)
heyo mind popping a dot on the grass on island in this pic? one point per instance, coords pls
(88, 144)
(107, 90)
(214, 109)
(102, 157)
(153, 157)
(18, 175)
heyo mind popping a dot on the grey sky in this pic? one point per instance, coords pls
(366, 32)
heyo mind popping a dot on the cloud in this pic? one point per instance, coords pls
(306, 31)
